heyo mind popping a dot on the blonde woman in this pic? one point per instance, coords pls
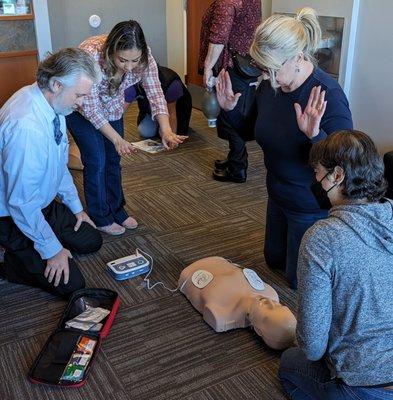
(97, 126)
(296, 105)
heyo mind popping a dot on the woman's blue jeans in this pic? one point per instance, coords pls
(302, 379)
(102, 171)
(283, 234)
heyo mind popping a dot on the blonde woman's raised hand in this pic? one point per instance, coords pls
(123, 147)
(225, 96)
(309, 120)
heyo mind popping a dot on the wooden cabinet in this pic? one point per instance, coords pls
(18, 53)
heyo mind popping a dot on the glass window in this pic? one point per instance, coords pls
(15, 7)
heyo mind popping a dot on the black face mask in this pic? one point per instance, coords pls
(321, 195)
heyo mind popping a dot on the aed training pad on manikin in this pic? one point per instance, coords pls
(231, 297)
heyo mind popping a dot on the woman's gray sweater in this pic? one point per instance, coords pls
(345, 276)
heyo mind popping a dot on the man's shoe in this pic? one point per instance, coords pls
(227, 176)
(220, 164)
(113, 229)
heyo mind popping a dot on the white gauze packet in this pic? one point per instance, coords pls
(88, 319)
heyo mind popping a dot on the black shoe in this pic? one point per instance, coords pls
(220, 164)
(225, 175)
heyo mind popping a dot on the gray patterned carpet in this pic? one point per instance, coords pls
(159, 347)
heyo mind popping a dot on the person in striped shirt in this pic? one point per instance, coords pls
(97, 126)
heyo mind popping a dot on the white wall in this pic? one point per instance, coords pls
(266, 9)
(372, 79)
(69, 21)
(42, 28)
(176, 36)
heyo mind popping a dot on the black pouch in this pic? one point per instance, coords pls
(244, 66)
(50, 365)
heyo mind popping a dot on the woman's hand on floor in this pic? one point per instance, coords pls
(123, 147)
(170, 140)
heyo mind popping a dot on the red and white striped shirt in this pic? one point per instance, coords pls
(99, 107)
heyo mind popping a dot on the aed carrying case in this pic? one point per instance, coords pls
(69, 353)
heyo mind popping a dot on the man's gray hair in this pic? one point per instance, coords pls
(66, 66)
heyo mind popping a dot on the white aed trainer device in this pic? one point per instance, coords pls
(128, 267)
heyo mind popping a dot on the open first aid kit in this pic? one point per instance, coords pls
(69, 352)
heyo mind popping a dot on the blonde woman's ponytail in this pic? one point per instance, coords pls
(307, 16)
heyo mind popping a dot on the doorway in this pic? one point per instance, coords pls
(195, 12)
(194, 81)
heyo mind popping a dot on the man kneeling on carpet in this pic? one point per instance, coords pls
(36, 230)
(345, 280)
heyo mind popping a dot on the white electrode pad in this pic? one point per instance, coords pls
(253, 279)
(201, 278)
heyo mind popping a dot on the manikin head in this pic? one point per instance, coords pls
(273, 322)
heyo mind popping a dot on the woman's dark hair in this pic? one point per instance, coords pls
(126, 35)
(356, 154)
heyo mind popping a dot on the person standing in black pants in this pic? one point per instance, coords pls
(227, 30)
(234, 168)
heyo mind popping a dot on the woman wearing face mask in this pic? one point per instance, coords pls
(97, 126)
(296, 105)
(345, 271)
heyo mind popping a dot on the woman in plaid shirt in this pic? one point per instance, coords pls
(97, 126)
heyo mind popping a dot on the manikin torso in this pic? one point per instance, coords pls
(228, 301)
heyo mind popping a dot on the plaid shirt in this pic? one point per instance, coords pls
(231, 23)
(99, 107)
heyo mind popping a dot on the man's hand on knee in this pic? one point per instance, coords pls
(82, 217)
(57, 266)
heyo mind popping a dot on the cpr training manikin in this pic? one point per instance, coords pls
(230, 297)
